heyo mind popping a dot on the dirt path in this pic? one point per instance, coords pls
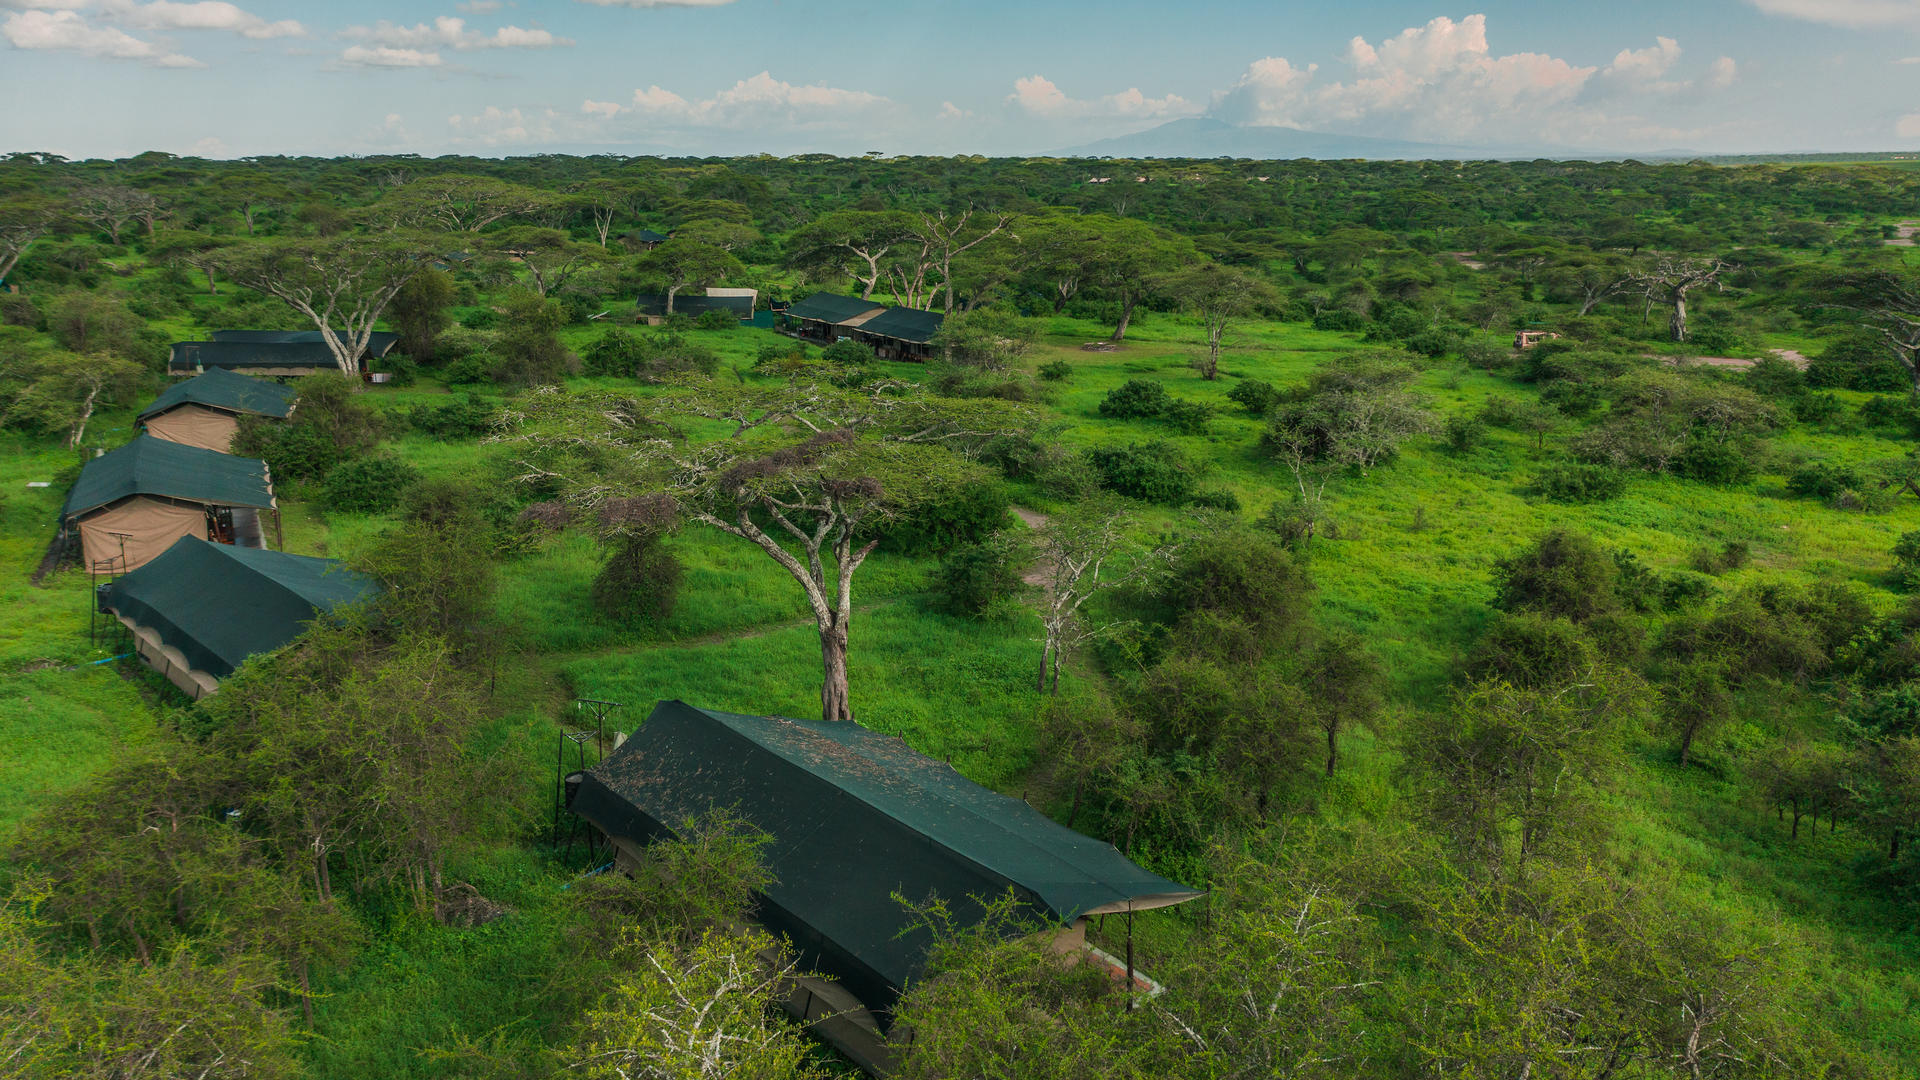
(1733, 363)
(1466, 259)
(1036, 574)
(1904, 233)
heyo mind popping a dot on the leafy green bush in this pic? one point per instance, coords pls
(617, 352)
(367, 485)
(1136, 399)
(965, 515)
(1821, 480)
(291, 451)
(847, 353)
(1572, 482)
(1906, 558)
(1564, 573)
(400, 371)
(1188, 417)
(484, 318)
(1215, 499)
(1155, 472)
(1859, 360)
(468, 371)
(463, 419)
(1901, 413)
(640, 581)
(1254, 395)
(974, 576)
(1715, 461)
(1532, 650)
(717, 319)
(1056, 371)
(1463, 433)
(1340, 319)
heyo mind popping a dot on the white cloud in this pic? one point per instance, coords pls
(384, 56)
(67, 31)
(1847, 13)
(757, 100)
(495, 126)
(447, 32)
(203, 15)
(1908, 126)
(480, 7)
(1442, 82)
(1038, 95)
(46, 5)
(950, 111)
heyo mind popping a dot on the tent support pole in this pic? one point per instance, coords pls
(1129, 957)
(279, 537)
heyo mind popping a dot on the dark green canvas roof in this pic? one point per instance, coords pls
(740, 307)
(855, 817)
(905, 324)
(378, 342)
(222, 389)
(150, 466)
(647, 236)
(831, 308)
(220, 604)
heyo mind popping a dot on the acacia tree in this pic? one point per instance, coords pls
(113, 206)
(809, 475)
(21, 223)
(684, 264)
(1353, 414)
(342, 284)
(851, 242)
(1891, 304)
(549, 256)
(944, 237)
(1670, 281)
(459, 203)
(1219, 295)
(62, 391)
(1127, 258)
(1078, 553)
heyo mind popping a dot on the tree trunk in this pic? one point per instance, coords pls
(834, 703)
(306, 992)
(1795, 834)
(213, 287)
(1126, 316)
(1333, 748)
(1040, 684)
(672, 291)
(1686, 744)
(80, 425)
(1678, 326)
(1055, 689)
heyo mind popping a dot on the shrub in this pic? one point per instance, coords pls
(1215, 499)
(291, 451)
(367, 485)
(1056, 371)
(1254, 395)
(464, 419)
(1715, 461)
(400, 370)
(1340, 319)
(1431, 343)
(468, 371)
(1155, 472)
(974, 576)
(671, 354)
(616, 351)
(1188, 417)
(1906, 558)
(640, 581)
(1463, 433)
(1564, 573)
(1901, 413)
(1860, 360)
(965, 515)
(1818, 409)
(1532, 650)
(717, 319)
(1772, 377)
(1821, 480)
(1571, 397)
(1577, 483)
(484, 318)
(1136, 399)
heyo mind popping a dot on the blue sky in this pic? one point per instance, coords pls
(115, 77)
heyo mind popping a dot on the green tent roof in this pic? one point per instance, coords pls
(150, 466)
(905, 324)
(266, 348)
(220, 604)
(222, 389)
(856, 817)
(831, 308)
(647, 236)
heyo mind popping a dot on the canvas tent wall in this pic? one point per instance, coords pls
(856, 817)
(902, 333)
(828, 317)
(199, 610)
(205, 410)
(651, 308)
(130, 505)
(267, 352)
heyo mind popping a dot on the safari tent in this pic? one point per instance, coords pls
(828, 317)
(267, 352)
(205, 410)
(855, 818)
(651, 308)
(199, 610)
(643, 239)
(902, 333)
(131, 504)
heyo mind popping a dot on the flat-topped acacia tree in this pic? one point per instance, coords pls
(809, 474)
(342, 285)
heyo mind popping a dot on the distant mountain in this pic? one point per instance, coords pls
(1204, 137)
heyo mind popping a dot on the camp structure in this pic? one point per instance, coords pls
(267, 352)
(902, 333)
(205, 410)
(651, 308)
(198, 610)
(828, 317)
(131, 504)
(854, 819)
(643, 239)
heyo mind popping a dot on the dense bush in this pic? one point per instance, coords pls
(1861, 360)
(1188, 417)
(968, 514)
(640, 581)
(1463, 433)
(1822, 480)
(617, 352)
(848, 353)
(1056, 371)
(974, 576)
(367, 485)
(1564, 573)
(1340, 319)
(1155, 472)
(1715, 461)
(717, 319)
(1136, 399)
(1532, 650)
(464, 418)
(1573, 482)
(468, 371)
(1254, 395)
(330, 424)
